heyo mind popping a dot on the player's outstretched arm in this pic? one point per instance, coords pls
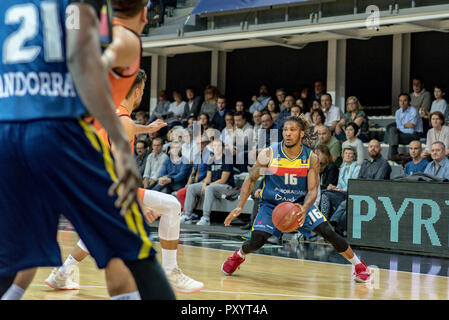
(263, 159)
(123, 50)
(90, 78)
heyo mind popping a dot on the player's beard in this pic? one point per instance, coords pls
(293, 144)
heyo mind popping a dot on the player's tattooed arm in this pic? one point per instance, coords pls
(263, 159)
(312, 182)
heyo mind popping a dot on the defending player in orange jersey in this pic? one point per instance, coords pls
(155, 205)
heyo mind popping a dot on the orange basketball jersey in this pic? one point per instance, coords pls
(121, 83)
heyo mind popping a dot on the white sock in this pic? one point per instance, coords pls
(68, 264)
(169, 260)
(355, 260)
(127, 296)
(14, 293)
(241, 254)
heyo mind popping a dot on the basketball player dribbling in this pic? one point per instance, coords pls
(41, 120)
(155, 205)
(290, 172)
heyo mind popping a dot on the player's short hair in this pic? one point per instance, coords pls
(140, 78)
(301, 120)
(129, 8)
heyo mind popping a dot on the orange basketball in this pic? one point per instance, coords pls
(285, 217)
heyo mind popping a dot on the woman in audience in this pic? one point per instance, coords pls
(177, 106)
(209, 105)
(204, 120)
(351, 135)
(354, 113)
(318, 118)
(316, 105)
(328, 169)
(335, 194)
(439, 132)
(273, 109)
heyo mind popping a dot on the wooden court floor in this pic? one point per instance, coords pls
(259, 278)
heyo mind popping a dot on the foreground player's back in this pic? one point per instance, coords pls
(34, 80)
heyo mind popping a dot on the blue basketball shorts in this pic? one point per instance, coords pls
(264, 222)
(50, 168)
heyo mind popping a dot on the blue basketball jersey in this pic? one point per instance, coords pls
(34, 79)
(286, 178)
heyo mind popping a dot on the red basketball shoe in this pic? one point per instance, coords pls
(232, 263)
(362, 273)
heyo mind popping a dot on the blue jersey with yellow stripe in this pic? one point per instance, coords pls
(286, 178)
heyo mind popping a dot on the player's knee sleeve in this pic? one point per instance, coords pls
(169, 224)
(150, 279)
(82, 245)
(5, 283)
(258, 239)
(332, 237)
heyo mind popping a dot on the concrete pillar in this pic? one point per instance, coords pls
(401, 67)
(218, 70)
(336, 72)
(158, 78)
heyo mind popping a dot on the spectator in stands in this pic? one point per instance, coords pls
(331, 112)
(325, 137)
(257, 120)
(177, 107)
(439, 166)
(376, 167)
(418, 163)
(199, 169)
(192, 106)
(228, 133)
(439, 132)
(174, 173)
(240, 107)
(204, 120)
(280, 95)
(354, 113)
(408, 126)
(242, 126)
(209, 105)
(300, 103)
(141, 155)
(268, 135)
(243, 141)
(318, 119)
(143, 119)
(218, 181)
(285, 113)
(306, 96)
(439, 104)
(260, 102)
(273, 109)
(336, 194)
(328, 169)
(421, 99)
(161, 109)
(319, 89)
(316, 104)
(154, 164)
(352, 140)
(295, 110)
(218, 121)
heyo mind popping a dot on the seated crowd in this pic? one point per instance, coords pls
(208, 142)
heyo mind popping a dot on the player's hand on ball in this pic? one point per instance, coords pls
(150, 215)
(234, 214)
(301, 216)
